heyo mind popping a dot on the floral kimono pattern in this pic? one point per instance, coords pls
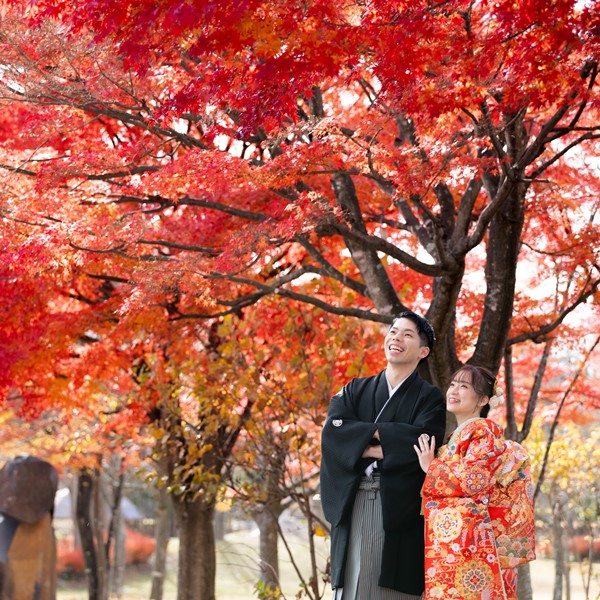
(461, 556)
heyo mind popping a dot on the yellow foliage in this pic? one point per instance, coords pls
(574, 459)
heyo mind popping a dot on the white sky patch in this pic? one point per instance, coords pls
(225, 143)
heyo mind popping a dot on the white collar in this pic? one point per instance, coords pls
(392, 390)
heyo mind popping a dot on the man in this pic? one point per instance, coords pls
(370, 475)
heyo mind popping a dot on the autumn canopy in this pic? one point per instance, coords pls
(195, 192)
(178, 161)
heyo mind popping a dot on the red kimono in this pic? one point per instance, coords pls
(462, 484)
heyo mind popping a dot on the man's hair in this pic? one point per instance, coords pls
(424, 328)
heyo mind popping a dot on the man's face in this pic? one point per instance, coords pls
(402, 344)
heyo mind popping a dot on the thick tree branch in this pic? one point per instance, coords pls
(329, 270)
(377, 244)
(372, 270)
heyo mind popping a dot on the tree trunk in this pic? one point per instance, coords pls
(266, 520)
(197, 561)
(557, 531)
(500, 277)
(85, 486)
(161, 536)
(114, 545)
(567, 559)
(524, 590)
(102, 559)
(117, 566)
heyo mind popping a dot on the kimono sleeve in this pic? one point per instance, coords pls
(343, 440)
(468, 472)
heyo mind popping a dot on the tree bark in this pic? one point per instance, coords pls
(102, 558)
(197, 562)
(266, 519)
(117, 564)
(161, 536)
(504, 243)
(559, 557)
(524, 589)
(378, 283)
(85, 488)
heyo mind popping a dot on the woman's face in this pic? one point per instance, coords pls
(462, 400)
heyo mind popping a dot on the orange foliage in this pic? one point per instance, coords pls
(69, 558)
(183, 160)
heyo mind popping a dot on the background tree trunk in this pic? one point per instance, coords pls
(267, 521)
(162, 536)
(559, 557)
(98, 528)
(524, 590)
(197, 562)
(117, 565)
(85, 487)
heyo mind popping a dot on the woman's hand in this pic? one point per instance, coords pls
(425, 451)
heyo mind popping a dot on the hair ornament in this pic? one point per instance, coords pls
(497, 396)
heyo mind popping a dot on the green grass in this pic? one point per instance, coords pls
(237, 568)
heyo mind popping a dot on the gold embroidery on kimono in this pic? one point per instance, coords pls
(466, 510)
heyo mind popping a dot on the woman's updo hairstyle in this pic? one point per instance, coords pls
(483, 382)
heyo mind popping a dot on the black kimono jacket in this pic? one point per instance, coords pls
(416, 407)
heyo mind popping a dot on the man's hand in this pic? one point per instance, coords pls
(425, 451)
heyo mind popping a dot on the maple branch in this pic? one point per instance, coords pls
(407, 133)
(563, 151)
(114, 110)
(446, 201)
(590, 69)
(381, 245)
(329, 270)
(119, 252)
(534, 394)
(336, 310)
(381, 218)
(110, 278)
(542, 332)
(191, 248)
(413, 224)
(554, 254)
(460, 238)
(497, 200)
(6, 215)
(189, 201)
(18, 170)
(491, 131)
(126, 173)
(276, 289)
(366, 259)
(512, 431)
(554, 425)
(536, 147)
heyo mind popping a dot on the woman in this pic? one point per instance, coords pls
(461, 485)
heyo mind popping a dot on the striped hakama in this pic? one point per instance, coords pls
(363, 563)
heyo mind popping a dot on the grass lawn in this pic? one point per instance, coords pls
(237, 560)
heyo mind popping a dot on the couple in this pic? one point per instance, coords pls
(378, 457)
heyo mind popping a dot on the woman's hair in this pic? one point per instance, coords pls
(483, 382)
